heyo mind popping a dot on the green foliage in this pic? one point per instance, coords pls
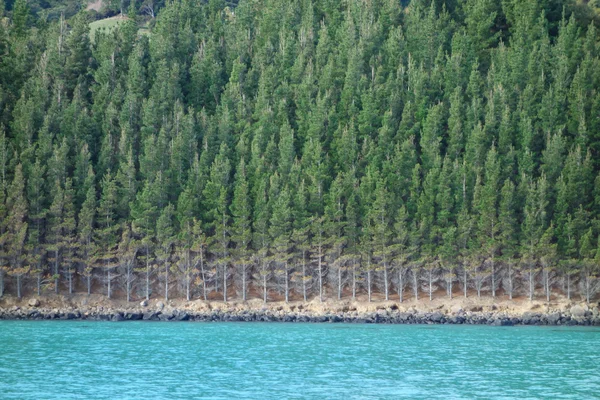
(311, 137)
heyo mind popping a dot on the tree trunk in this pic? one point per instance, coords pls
(547, 284)
(39, 283)
(56, 272)
(493, 279)
(320, 275)
(385, 280)
(510, 282)
(1, 283)
(369, 283)
(465, 281)
(415, 286)
(304, 274)
(587, 288)
(89, 284)
(108, 279)
(128, 285)
(264, 287)
(353, 281)
(339, 283)
(166, 281)
(531, 286)
(70, 282)
(568, 286)
(188, 280)
(400, 286)
(430, 285)
(202, 272)
(287, 285)
(225, 282)
(19, 286)
(244, 282)
(147, 274)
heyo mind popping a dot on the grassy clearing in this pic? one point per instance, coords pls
(107, 24)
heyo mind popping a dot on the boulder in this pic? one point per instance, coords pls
(33, 303)
(554, 318)
(144, 303)
(160, 305)
(436, 317)
(578, 311)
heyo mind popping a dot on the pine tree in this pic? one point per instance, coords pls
(107, 231)
(165, 239)
(85, 230)
(14, 228)
(242, 228)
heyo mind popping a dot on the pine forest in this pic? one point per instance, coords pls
(300, 150)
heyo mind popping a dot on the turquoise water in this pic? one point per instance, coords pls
(141, 360)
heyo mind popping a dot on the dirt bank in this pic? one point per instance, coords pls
(483, 310)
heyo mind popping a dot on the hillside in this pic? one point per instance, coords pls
(302, 150)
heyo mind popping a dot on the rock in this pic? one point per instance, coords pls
(554, 318)
(165, 316)
(437, 317)
(33, 303)
(578, 311)
(117, 317)
(148, 316)
(160, 305)
(144, 303)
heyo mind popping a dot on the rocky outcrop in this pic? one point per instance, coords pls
(576, 315)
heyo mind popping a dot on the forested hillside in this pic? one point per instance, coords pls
(303, 149)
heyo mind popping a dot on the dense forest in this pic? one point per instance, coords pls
(303, 149)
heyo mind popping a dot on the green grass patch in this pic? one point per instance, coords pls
(106, 24)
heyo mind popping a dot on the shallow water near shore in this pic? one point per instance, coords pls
(135, 360)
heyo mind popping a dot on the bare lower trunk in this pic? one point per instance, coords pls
(320, 275)
(400, 286)
(108, 278)
(39, 284)
(70, 282)
(568, 286)
(547, 284)
(510, 282)
(166, 281)
(225, 282)
(493, 279)
(339, 283)
(369, 283)
(531, 286)
(287, 286)
(1, 283)
(56, 272)
(353, 281)
(587, 288)
(415, 285)
(244, 282)
(147, 277)
(188, 280)
(265, 288)
(465, 281)
(202, 272)
(19, 286)
(128, 286)
(430, 285)
(386, 283)
(304, 275)
(89, 284)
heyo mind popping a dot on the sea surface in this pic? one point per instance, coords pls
(157, 360)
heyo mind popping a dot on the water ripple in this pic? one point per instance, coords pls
(135, 360)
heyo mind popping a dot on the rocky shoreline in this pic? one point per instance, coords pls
(575, 316)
